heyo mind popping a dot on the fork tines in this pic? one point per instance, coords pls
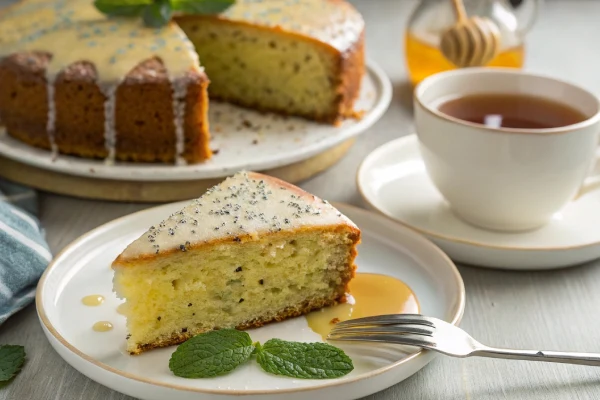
(390, 319)
(410, 329)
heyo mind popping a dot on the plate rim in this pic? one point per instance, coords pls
(457, 315)
(427, 233)
(133, 172)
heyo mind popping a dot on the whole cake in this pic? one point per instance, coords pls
(77, 82)
(252, 250)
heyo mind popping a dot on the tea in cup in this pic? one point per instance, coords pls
(507, 149)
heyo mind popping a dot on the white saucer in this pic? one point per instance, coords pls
(392, 179)
(83, 269)
(242, 138)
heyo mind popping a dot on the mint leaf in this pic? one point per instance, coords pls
(303, 360)
(122, 8)
(11, 359)
(211, 354)
(157, 14)
(202, 6)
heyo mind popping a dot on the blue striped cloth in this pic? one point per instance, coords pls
(24, 253)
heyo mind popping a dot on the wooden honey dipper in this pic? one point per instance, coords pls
(471, 42)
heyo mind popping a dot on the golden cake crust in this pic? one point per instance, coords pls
(79, 129)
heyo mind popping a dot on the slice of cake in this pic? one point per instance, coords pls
(252, 250)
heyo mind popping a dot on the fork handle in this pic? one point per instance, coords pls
(540, 355)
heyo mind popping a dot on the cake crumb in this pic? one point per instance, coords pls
(356, 114)
(255, 141)
(216, 151)
(334, 321)
(247, 123)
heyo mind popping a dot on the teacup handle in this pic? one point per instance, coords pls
(592, 182)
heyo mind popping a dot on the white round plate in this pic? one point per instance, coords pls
(83, 268)
(242, 138)
(393, 180)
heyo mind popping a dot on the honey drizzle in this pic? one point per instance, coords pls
(102, 326)
(121, 309)
(370, 295)
(93, 300)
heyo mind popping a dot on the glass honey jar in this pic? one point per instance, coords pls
(432, 18)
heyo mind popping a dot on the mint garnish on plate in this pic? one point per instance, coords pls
(156, 13)
(303, 360)
(11, 360)
(211, 354)
(219, 352)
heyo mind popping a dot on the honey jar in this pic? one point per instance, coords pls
(432, 17)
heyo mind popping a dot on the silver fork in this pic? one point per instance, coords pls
(437, 335)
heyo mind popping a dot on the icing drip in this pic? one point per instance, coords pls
(110, 133)
(179, 92)
(51, 121)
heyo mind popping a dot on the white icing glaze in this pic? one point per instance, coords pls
(179, 92)
(245, 204)
(73, 30)
(51, 122)
(110, 132)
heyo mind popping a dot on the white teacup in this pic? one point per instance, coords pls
(505, 178)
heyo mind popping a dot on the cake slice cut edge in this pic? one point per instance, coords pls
(251, 251)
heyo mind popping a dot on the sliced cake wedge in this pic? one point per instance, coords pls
(250, 251)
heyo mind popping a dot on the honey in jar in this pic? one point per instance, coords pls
(432, 17)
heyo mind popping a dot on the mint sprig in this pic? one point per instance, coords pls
(122, 8)
(303, 360)
(157, 13)
(219, 352)
(211, 354)
(202, 6)
(11, 360)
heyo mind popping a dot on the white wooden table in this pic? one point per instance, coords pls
(548, 310)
